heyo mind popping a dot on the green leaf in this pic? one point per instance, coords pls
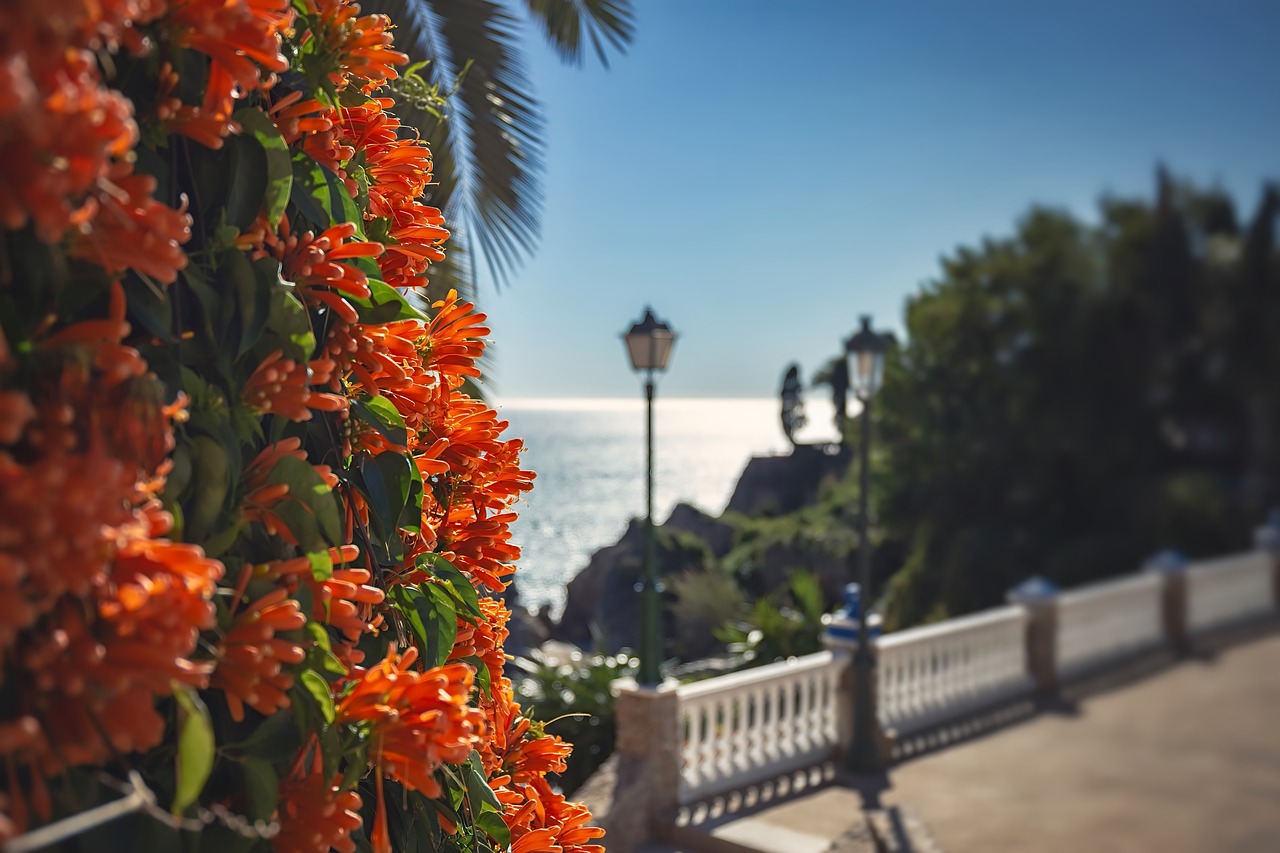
(245, 180)
(386, 305)
(323, 197)
(276, 739)
(388, 478)
(321, 653)
(312, 194)
(321, 564)
(196, 747)
(483, 681)
(311, 508)
(458, 586)
(411, 516)
(431, 617)
(485, 808)
(290, 325)
(261, 787)
(254, 307)
(279, 170)
(318, 688)
(381, 414)
(150, 307)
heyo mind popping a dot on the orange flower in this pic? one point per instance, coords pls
(344, 600)
(238, 35)
(418, 720)
(99, 670)
(279, 386)
(358, 47)
(316, 815)
(485, 638)
(314, 264)
(128, 229)
(251, 657)
(294, 117)
(60, 132)
(207, 124)
(260, 496)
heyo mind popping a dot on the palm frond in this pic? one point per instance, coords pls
(489, 153)
(568, 23)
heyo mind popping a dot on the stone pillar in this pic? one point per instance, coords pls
(1040, 598)
(1267, 538)
(841, 639)
(1172, 567)
(843, 652)
(647, 780)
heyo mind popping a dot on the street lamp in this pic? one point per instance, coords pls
(649, 344)
(867, 348)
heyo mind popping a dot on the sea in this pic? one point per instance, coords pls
(589, 455)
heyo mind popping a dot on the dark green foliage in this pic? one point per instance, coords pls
(574, 701)
(774, 631)
(1074, 398)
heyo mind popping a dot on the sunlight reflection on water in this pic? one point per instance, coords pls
(589, 457)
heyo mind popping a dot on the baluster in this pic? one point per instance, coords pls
(816, 707)
(786, 742)
(739, 759)
(936, 664)
(888, 685)
(801, 714)
(829, 706)
(751, 726)
(692, 771)
(769, 721)
(718, 723)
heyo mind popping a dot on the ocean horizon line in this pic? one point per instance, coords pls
(615, 402)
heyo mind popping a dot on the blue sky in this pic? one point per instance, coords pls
(764, 172)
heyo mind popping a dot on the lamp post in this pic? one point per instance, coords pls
(649, 344)
(867, 348)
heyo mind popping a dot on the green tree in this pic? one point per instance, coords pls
(489, 146)
(1074, 397)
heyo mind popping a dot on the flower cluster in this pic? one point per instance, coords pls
(237, 454)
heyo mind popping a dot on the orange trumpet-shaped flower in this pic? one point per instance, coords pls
(280, 386)
(419, 720)
(316, 815)
(240, 36)
(61, 131)
(261, 496)
(128, 229)
(314, 263)
(251, 657)
(360, 46)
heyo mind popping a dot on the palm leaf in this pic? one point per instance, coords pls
(489, 150)
(567, 23)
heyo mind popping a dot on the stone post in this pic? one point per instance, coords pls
(841, 639)
(1172, 567)
(1267, 538)
(1040, 598)
(647, 747)
(843, 651)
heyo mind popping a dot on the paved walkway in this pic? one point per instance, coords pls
(1185, 760)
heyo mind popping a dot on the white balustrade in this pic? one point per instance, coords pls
(1105, 622)
(1230, 589)
(939, 672)
(757, 724)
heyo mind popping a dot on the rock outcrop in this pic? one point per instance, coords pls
(774, 485)
(602, 603)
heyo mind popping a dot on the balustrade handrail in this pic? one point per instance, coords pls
(755, 675)
(1109, 587)
(957, 625)
(1244, 560)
